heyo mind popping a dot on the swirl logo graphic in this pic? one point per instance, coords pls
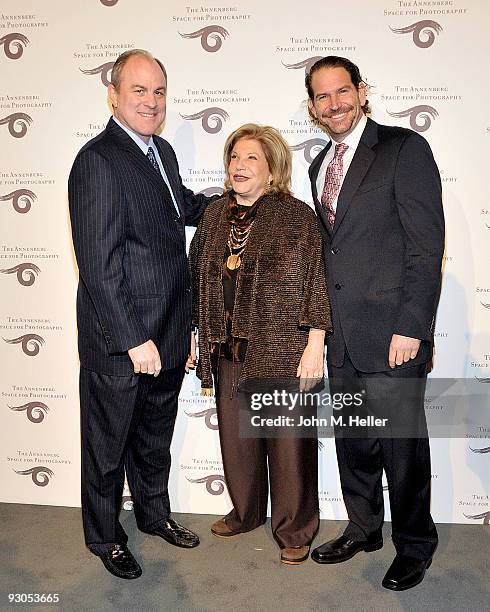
(485, 305)
(109, 2)
(212, 119)
(40, 475)
(484, 450)
(211, 191)
(310, 147)
(209, 415)
(17, 124)
(22, 199)
(26, 273)
(306, 64)
(484, 515)
(31, 343)
(213, 32)
(19, 41)
(483, 380)
(127, 503)
(103, 70)
(35, 411)
(422, 111)
(427, 28)
(215, 483)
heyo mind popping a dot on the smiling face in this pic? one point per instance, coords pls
(248, 170)
(337, 103)
(139, 102)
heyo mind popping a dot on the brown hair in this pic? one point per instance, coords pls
(276, 151)
(122, 61)
(335, 61)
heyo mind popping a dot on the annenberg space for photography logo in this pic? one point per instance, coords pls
(104, 70)
(22, 200)
(421, 103)
(39, 465)
(26, 273)
(34, 411)
(423, 32)
(314, 46)
(212, 191)
(420, 116)
(96, 59)
(480, 451)
(215, 483)
(484, 515)
(306, 64)
(29, 343)
(212, 119)
(310, 148)
(17, 124)
(13, 45)
(40, 475)
(209, 415)
(211, 37)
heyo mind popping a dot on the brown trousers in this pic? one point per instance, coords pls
(293, 472)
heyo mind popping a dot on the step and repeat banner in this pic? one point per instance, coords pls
(228, 63)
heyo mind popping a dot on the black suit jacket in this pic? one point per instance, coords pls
(131, 252)
(383, 256)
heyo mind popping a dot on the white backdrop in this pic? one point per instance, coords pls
(228, 63)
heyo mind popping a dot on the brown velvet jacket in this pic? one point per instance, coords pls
(281, 290)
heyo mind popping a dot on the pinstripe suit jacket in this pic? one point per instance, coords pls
(131, 252)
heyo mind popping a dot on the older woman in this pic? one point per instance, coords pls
(261, 307)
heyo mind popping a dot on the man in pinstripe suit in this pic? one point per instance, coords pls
(128, 211)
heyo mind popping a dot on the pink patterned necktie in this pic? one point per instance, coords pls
(333, 181)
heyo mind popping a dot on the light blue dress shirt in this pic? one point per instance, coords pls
(144, 147)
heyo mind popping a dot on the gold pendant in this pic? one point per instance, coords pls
(233, 262)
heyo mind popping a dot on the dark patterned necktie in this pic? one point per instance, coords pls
(152, 159)
(333, 181)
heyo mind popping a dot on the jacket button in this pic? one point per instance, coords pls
(188, 290)
(338, 286)
(334, 250)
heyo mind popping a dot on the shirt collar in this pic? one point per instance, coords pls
(352, 140)
(141, 143)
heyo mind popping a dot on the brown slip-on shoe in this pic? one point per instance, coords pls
(295, 555)
(221, 529)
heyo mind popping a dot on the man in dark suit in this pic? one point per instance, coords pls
(128, 211)
(377, 192)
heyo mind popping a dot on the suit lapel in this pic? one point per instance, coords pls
(313, 172)
(362, 160)
(138, 159)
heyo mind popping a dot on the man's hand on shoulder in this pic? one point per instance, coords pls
(402, 349)
(145, 358)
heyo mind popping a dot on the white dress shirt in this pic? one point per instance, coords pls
(352, 140)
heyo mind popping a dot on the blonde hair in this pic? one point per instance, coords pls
(276, 151)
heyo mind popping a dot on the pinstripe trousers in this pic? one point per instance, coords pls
(127, 424)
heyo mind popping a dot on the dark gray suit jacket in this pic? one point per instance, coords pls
(383, 256)
(131, 252)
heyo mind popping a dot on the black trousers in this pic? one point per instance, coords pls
(398, 396)
(127, 424)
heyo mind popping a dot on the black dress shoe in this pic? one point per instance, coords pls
(342, 549)
(176, 534)
(119, 561)
(405, 573)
